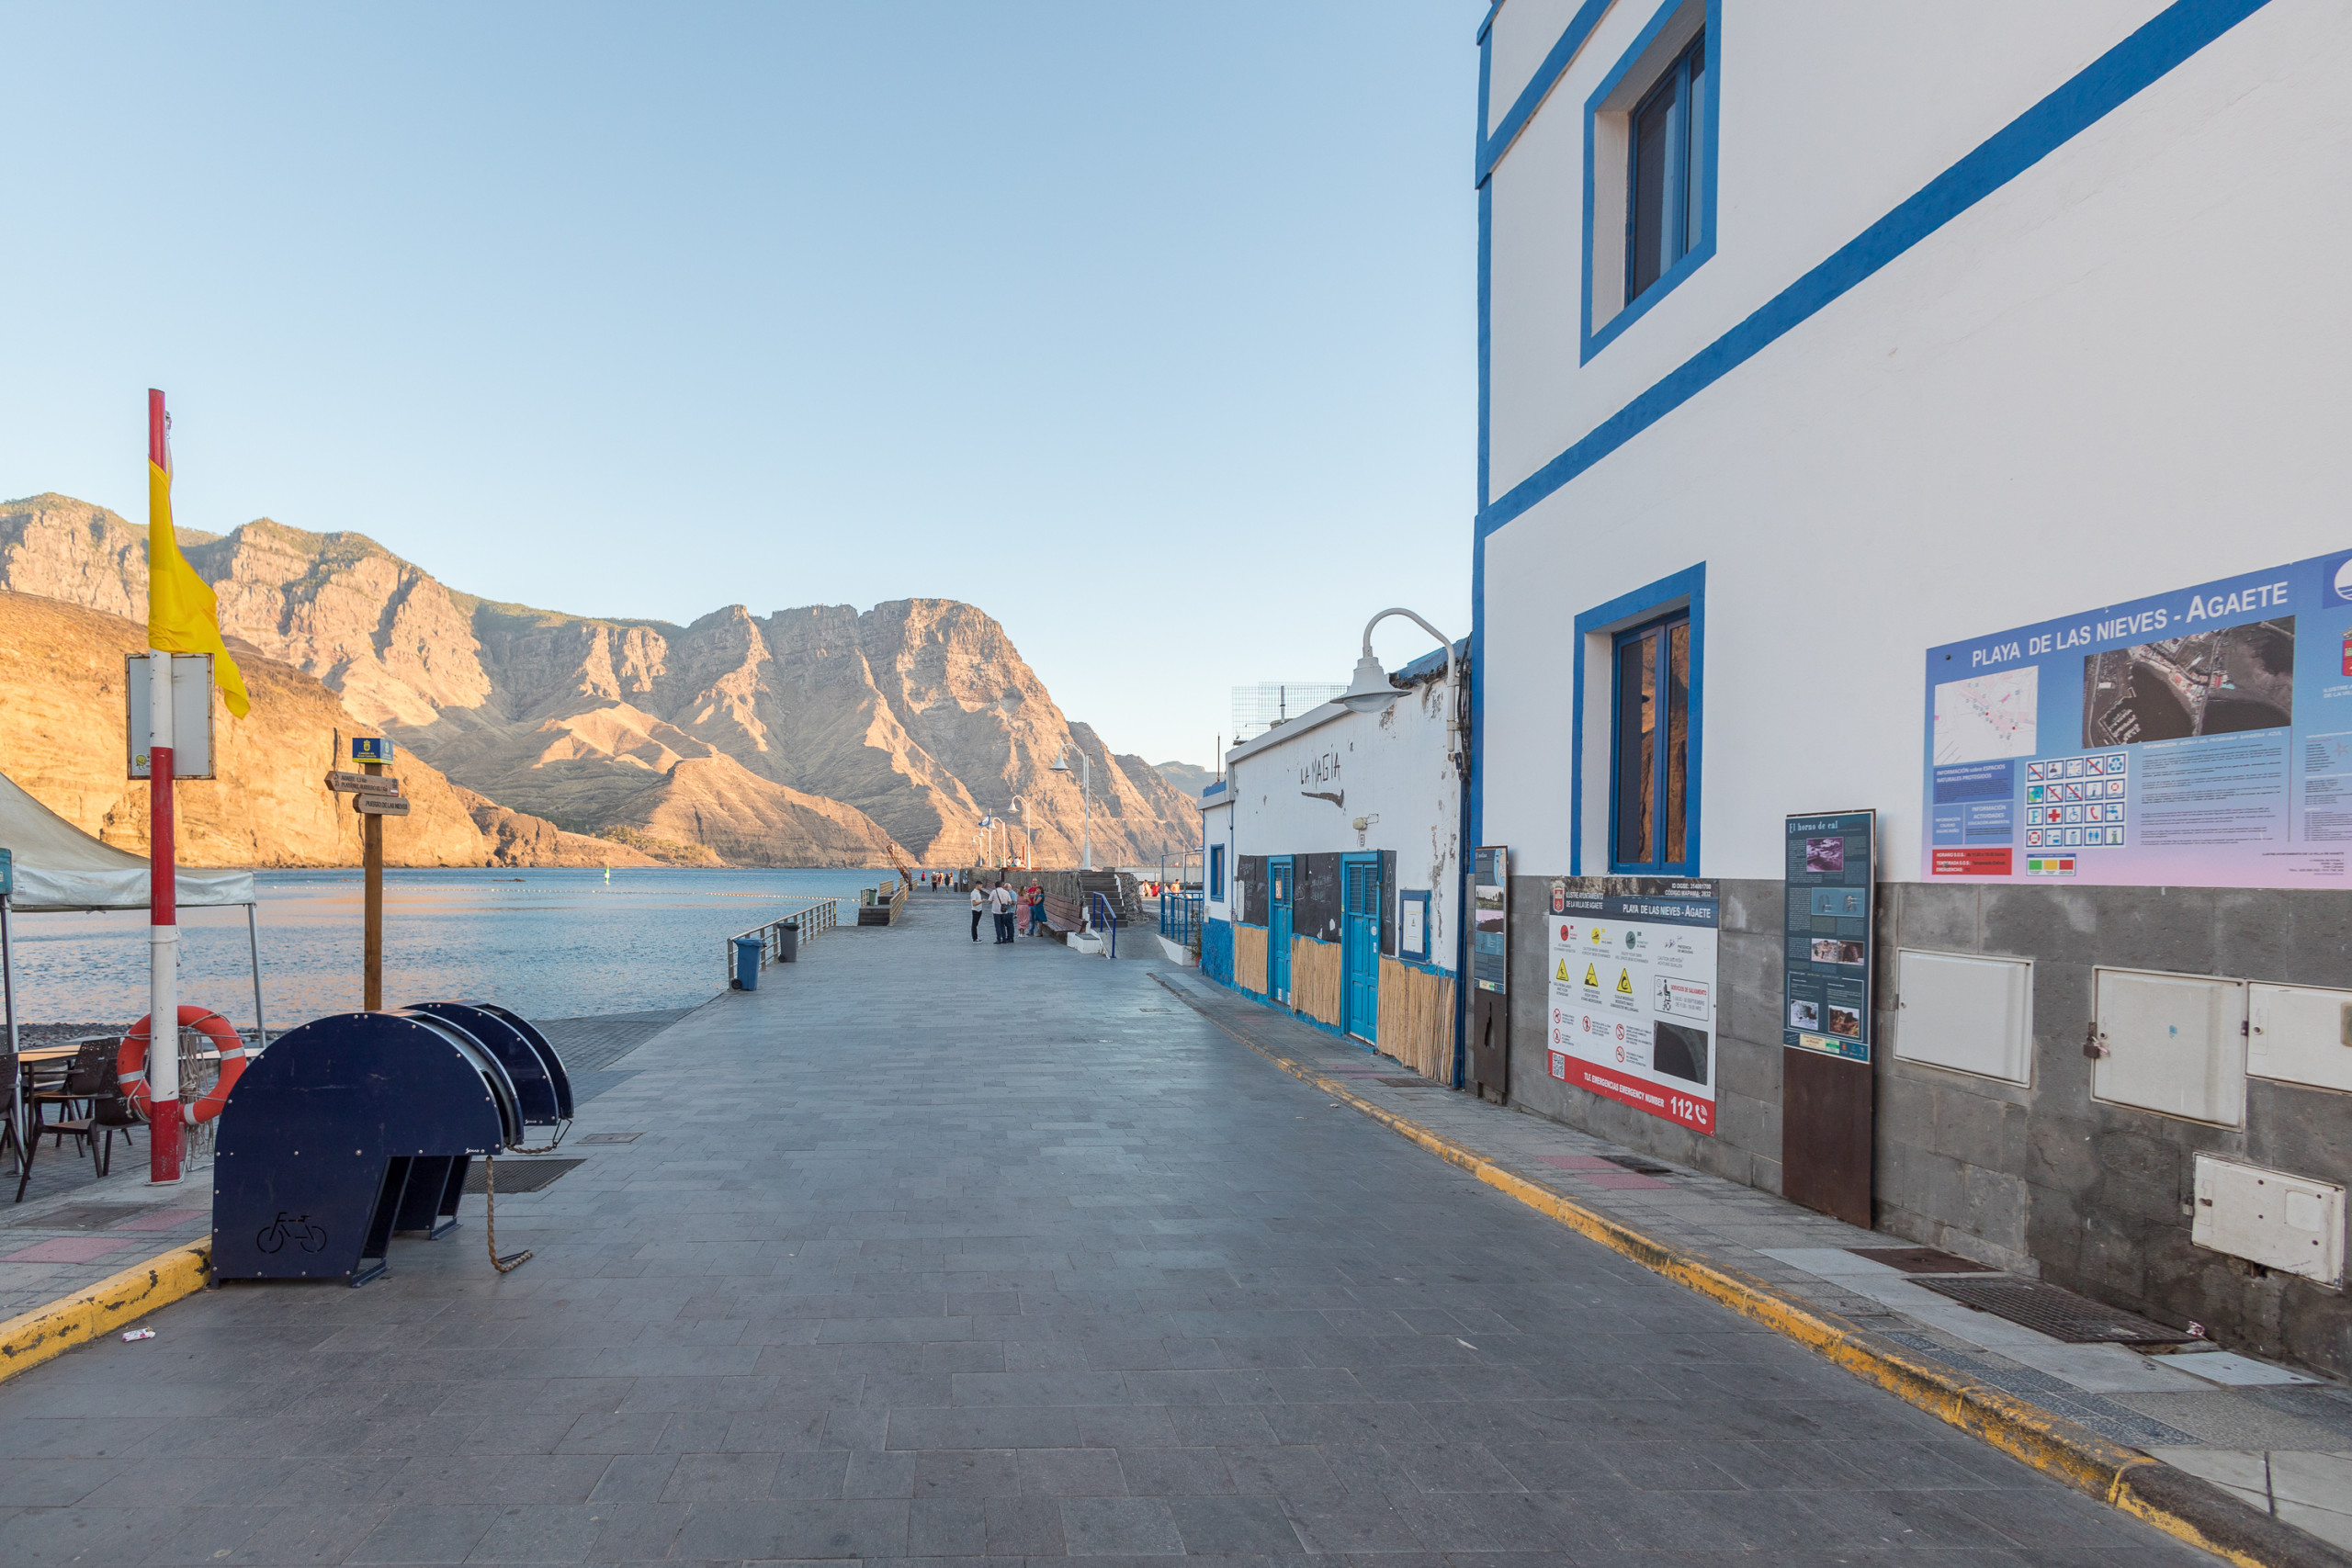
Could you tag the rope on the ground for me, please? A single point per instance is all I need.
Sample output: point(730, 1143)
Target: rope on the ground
point(506, 1265)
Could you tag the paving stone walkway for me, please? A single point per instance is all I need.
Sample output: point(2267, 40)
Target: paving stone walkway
point(75, 1227)
point(928, 1249)
point(2280, 1440)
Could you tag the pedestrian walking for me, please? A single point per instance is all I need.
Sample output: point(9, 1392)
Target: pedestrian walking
point(980, 902)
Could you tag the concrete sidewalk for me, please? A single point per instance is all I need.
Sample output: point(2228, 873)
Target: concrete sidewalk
point(2280, 1441)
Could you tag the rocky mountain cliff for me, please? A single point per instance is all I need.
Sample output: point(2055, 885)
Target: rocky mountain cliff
point(62, 739)
point(811, 735)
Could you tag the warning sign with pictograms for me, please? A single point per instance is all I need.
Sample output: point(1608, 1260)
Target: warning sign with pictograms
point(1645, 1036)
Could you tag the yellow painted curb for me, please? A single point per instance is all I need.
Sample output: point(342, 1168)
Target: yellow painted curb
point(29, 1338)
point(2121, 1476)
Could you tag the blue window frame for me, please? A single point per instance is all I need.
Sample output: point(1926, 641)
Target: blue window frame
point(1666, 170)
point(1659, 221)
point(1216, 872)
point(1650, 747)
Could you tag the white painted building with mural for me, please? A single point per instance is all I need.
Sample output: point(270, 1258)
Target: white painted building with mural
point(1911, 546)
point(1333, 849)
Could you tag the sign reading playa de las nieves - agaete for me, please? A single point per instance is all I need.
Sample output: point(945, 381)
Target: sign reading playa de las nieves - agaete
point(2195, 738)
point(1632, 971)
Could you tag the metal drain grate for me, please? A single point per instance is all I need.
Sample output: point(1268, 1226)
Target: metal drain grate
point(1639, 1166)
point(1405, 1083)
point(610, 1137)
point(519, 1174)
point(2046, 1308)
point(79, 1217)
point(1921, 1260)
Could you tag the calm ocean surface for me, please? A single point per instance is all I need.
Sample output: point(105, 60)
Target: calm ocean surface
point(547, 943)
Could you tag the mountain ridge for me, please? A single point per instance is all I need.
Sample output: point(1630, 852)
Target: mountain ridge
point(907, 723)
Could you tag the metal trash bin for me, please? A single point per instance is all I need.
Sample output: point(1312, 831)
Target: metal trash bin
point(788, 943)
point(746, 963)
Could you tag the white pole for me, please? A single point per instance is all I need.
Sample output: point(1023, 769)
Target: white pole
point(1086, 811)
point(163, 939)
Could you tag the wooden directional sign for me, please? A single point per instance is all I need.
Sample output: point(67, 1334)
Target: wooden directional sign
point(363, 784)
point(379, 805)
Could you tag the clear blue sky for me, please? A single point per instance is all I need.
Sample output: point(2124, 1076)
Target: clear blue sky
point(1149, 329)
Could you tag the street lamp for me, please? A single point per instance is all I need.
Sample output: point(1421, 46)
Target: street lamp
point(1086, 803)
point(1371, 692)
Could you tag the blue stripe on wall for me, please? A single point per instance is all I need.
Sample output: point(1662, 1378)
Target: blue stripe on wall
point(2172, 37)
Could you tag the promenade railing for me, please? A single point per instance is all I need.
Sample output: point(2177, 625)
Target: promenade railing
point(1179, 917)
point(816, 916)
point(1105, 922)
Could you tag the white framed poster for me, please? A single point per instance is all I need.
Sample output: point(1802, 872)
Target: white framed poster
point(1632, 981)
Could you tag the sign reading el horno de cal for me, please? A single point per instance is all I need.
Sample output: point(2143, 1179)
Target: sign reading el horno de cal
point(2195, 738)
point(1632, 971)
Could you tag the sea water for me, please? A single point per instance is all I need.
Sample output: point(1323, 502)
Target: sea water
point(554, 943)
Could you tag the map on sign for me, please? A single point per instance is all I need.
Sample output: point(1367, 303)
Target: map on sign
point(1988, 716)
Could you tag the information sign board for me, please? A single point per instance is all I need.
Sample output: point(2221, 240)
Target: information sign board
point(2200, 738)
point(1490, 918)
point(370, 749)
point(191, 716)
point(1632, 979)
point(1832, 860)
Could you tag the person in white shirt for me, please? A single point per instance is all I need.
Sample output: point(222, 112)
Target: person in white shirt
point(980, 902)
point(1000, 900)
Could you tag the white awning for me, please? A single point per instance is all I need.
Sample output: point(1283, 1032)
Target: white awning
point(58, 867)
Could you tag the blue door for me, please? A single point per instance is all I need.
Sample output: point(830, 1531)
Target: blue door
point(1278, 898)
point(1359, 946)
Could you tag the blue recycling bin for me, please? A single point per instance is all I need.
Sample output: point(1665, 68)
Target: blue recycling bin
point(746, 963)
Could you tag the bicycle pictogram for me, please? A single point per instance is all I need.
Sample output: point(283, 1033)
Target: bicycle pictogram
point(305, 1236)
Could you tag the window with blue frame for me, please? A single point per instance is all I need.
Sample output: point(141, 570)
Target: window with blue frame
point(1216, 872)
point(1649, 827)
point(1666, 172)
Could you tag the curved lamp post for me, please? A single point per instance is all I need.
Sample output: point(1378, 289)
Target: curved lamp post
point(1085, 802)
point(1370, 691)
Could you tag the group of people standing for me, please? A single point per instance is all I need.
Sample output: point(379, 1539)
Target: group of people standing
point(1006, 906)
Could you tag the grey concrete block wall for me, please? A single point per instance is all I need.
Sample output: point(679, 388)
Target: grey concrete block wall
point(2096, 1197)
point(2039, 1178)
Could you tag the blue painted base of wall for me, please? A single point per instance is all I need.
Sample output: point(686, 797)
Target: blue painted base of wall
point(1216, 950)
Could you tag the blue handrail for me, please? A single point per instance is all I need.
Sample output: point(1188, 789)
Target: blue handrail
point(1104, 918)
point(1180, 917)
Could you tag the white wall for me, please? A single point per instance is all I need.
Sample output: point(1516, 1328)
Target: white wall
point(1216, 830)
point(2120, 374)
point(1392, 764)
point(1833, 111)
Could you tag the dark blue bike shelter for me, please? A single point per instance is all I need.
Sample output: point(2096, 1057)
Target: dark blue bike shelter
point(358, 1127)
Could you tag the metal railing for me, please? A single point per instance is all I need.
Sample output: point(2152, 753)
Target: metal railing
point(1105, 922)
point(816, 916)
point(1179, 917)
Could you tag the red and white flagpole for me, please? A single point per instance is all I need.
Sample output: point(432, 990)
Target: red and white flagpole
point(162, 921)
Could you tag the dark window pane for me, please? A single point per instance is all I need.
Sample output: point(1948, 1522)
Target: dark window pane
point(1694, 142)
point(1636, 742)
point(1648, 228)
point(1678, 741)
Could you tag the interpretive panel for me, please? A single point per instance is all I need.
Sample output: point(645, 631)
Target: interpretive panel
point(1632, 968)
point(1491, 920)
point(2201, 737)
point(1826, 1004)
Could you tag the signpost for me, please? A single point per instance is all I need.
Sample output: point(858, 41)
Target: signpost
point(1490, 973)
point(1631, 984)
point(1830, 871)
point(375, 796)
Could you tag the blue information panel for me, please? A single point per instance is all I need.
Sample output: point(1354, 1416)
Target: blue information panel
point(1831, 874)
point(2201, 739)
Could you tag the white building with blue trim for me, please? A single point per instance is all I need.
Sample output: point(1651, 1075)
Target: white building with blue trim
point(1332, 856)
point(1819, 344)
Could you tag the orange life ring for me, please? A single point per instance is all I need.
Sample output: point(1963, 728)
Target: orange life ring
point(130, 1064)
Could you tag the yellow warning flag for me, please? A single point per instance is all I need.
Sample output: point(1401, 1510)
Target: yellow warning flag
point(182, 615)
